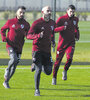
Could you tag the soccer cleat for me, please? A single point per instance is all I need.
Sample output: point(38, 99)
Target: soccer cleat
point(54, 81)
point(64, 75)
point(32, 67)
point(37, 92)
point(6, 85)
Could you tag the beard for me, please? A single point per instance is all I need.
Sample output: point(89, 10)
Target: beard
point(47, 17)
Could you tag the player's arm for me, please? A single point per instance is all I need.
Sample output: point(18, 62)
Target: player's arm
point(77, 33)
point(33, 34)
point(59, 25)
point(59, 29)
point(3, 31)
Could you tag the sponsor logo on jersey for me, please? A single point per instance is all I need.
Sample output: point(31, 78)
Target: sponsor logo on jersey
point(42, 28)
point(74, 22)
point(65, 23)
point(52, 27)
point(22, 26)
point(13, 26)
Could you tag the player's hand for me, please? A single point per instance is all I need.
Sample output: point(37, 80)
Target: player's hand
point(76, 39)
point(4, 39)
point(65, 27)
point(41, 34)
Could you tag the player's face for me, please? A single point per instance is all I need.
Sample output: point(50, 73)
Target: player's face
point(20, 13)
point(70, 12)
point(47, 14)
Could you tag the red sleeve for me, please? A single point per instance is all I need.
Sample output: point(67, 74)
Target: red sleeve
point(3, 31)
point(33, 36)
point(58, 29)
point(33, 28)
point(59, 22)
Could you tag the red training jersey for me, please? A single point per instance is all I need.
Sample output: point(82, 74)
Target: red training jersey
point(17, 30)
point(67, 37)
point(44, 43)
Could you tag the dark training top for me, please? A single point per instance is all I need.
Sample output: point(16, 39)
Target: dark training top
point(67, 37)
point(17, 30)
point(44, 43)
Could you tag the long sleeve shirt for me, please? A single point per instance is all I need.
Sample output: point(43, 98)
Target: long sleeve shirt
point(44, 43)
point(16, 31)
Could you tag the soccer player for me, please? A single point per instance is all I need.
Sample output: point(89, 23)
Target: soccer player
point(42, 34)
point(17, 29)
point(66, 43)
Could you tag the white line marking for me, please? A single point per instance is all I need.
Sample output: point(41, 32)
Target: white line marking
point(60, 68)
point(56, 41)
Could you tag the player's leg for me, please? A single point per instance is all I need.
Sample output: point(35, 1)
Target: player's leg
point(33, 66)
point(13, 68)
point(13, 61)
point(57, 63)
point(38, 68)
point(37, 79)
point(47, 63)
point(69, 55)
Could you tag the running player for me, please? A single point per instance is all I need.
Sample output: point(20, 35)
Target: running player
point(42, 33)
point(17, 29)
point(66, 43)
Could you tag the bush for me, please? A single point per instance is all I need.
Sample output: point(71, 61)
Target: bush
point(6, 15)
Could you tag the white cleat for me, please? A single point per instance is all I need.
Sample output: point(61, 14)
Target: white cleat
point(54, 81)
point(6, 85)
point(64, 75)
point(37, 93)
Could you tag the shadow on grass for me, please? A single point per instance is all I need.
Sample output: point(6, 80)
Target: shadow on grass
point(66, 89)
point(29, 62)
point(86, 95)
point(65, 96)
point(75, 85)
point(57, 95)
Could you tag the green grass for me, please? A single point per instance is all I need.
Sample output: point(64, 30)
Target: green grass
point(77, 87)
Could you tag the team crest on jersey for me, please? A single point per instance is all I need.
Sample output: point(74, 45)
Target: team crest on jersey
point(42, 28)
point(13, 26)
point(22, 26)
point(65, 23)
point(74, 22)
point(52, 27)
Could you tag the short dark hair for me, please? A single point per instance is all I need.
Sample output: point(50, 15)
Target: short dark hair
point(71, 7)
point(22, 7)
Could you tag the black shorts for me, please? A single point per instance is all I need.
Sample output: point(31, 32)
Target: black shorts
point(42, 57)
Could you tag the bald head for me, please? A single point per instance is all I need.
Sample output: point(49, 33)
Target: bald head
point(45, 8)
point(46, 11)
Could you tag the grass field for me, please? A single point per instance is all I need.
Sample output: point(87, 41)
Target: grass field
point(77, 87)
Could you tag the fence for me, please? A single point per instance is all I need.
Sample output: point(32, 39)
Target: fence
point(36, 5)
